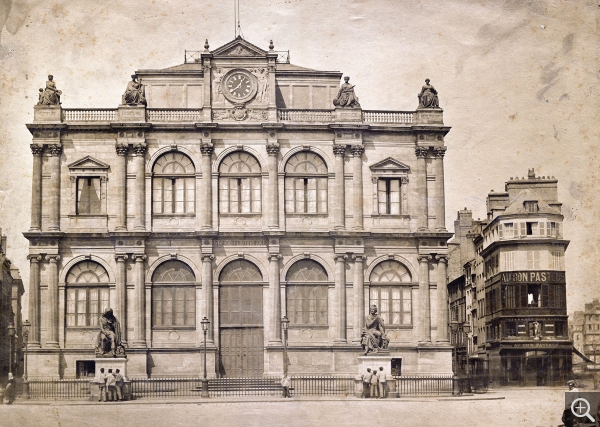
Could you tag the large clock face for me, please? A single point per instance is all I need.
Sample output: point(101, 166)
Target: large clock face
point(238, 86)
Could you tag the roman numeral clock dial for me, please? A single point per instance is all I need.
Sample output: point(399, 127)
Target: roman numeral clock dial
point(239, 87)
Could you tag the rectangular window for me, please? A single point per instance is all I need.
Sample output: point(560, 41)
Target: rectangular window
point(307, 305)
point(388, 196)
point(556, 260)
point(510, 329)
point(533, 260)
point(531, 206)
point(84, 305)
point(508, 260)
point(394, 303)
point(533, 229)
point(173, 195)
point(511, 297)
point(239, 195)
point(174, 306)
point(509, 230)
point(306, 195)
point(88, 196)
point(534, 296)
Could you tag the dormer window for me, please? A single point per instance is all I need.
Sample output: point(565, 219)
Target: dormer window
point(531, 206)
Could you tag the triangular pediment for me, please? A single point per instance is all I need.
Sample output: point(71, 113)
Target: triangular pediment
point(390, 165)
point(239, 47)
point(88, 162)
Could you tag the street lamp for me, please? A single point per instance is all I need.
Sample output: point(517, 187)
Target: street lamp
point(11, 335)
point(285, 324)
point(457, 329)
point(26, 326)
point(205, 324)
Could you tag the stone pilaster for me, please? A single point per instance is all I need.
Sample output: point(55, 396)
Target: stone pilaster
point(273, 196)
point(442, 291)
point(440, 214)
point(140, 186)
point(275, 312)
point(139, 336)
point(357, 199)
point(338, 196)
point(207, 286)
point(359, 297)
point(340, 299)
point(36, 188)
point(422, 221)
point(51, 322)
point(121, 184)
point(54, 190)
point(34, 301)
point(424, 301)
point(121, 291)
point(206, 219)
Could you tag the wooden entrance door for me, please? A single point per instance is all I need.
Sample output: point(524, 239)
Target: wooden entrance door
point(241, 321)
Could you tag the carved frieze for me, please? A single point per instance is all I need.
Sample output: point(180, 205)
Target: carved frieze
point(240, 113)
point(262, 77)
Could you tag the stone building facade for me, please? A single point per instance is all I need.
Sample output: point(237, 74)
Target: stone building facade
point(240, 194)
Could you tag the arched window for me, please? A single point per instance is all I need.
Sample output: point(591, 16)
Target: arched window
point(239, 184)
point(305, 183)
point(87, 293)
point(391, 291)
point(173, 185)
point(240, 271)
point(240, 294)
point(173, 295)
point(306, 293)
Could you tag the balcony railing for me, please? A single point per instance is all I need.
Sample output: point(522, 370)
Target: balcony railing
point(395, 117)
point(89, 114)
point(311, 116)
point(174, 115)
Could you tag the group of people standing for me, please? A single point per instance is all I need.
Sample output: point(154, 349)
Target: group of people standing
point(111, 385)
point(374, 384)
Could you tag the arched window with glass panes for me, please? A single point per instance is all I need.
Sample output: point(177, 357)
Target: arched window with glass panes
point(391, 290)
point(305, 184)
point(173, 185)
point(239, 184)
point(306, 293)
point(87, 286)
point(173, 295)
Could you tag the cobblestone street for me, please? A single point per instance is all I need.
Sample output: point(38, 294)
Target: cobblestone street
point(506, 407)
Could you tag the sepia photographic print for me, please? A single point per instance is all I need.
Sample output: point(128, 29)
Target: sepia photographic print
point(299, 213)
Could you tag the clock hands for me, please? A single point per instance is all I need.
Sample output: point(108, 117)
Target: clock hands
point(239, 84)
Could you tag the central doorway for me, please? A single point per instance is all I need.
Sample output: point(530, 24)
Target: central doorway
point(241, 321)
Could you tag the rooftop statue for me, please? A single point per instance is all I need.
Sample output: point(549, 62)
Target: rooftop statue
point(373, 336)
point(50, 95)
point(428, 97)
point(346, 98)
point(108, 341)
point(135, 94)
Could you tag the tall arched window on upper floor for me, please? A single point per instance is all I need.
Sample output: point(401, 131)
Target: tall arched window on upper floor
point(173, 295)
point(306, 293)
point(87, 293)
point(239, 184)
point(173, 185)
point(305, 183)
point(390, 290)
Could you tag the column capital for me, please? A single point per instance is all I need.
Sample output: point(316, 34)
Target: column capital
point(340, 257)
point(140, 149)
point(121, 257)
point(358, 258)
point(275, 257)
point(138, 257)
point(53, 258)
point(424, 258)
point(339, 150)
point(439, 152)
point(121, 149)
point(36, 149)
point(421, 151)
point(55, 150)
point(207, 149)
point(357, 150)
point(272, 149)
point(442, 258)
point(208, 257)
point(34, 258)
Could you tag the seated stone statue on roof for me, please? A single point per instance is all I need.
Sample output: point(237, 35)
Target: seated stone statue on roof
point(50, 95)
point(135, 94)
point(346, 98)
point(428, 98)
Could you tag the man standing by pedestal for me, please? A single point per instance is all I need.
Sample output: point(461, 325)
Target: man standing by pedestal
point(101, 379)
point(111, 385)
point(366, 383)
point(374, 384)
point(119, 384)
point(382, 383)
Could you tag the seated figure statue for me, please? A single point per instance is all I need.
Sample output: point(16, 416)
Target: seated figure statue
point(346, 98)
point(108, 341)
point(373, 337)
point(135, 93)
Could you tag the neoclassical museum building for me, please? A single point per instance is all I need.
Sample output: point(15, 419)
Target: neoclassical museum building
point(232, 187)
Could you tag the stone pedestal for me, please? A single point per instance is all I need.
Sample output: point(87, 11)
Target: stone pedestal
point(113, 363)
point(427, 116)
point(348, 115)
point(374, 361)
point(47, 113)
point(126, 113)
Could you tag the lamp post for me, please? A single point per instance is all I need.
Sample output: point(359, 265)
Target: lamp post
point(205, 324)
point(26, 326)
point(11, 335)
point(458, 328)
point(285, 324)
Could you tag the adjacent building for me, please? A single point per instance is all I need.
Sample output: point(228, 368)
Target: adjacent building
point(519, 316)
point(240, 194)
point(584, 330)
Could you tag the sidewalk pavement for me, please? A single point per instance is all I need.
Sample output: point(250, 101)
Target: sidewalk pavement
point(261, 399)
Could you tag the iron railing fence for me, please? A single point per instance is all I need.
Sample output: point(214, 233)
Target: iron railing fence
point(424, 385)
point(59, 389)
point(323, 385)
point(165, 387)
point(265, 386)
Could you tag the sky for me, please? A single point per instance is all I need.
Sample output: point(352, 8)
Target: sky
point(518, 81)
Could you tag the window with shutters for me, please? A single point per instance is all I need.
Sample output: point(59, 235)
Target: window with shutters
point(88, 178)
point(87, 289)
point(306, 293)
point(388, 196)
point(88, 195)
point(305, 184)
point(173, 295)
point(240, 184)
point(173, 185)
point(508, 230)
point(390, 289)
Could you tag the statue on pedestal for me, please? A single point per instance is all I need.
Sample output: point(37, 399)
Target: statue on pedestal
point(50, 95)
point(428, 97)
point(135, 94)
point(346, 98)
point(108, 341)
point(373, 336)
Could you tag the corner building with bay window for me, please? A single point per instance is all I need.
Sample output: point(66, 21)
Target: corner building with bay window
point(241, 194)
